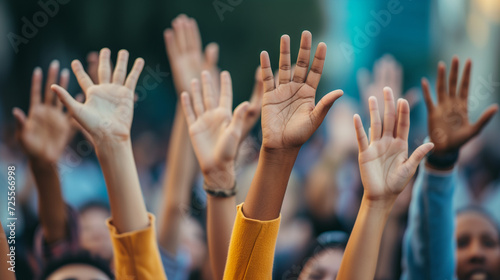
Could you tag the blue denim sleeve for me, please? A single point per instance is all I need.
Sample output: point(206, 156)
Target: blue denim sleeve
point(429, 243)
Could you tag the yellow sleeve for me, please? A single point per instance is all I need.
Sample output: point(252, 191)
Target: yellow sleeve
point(251, 251)
point(136, 254)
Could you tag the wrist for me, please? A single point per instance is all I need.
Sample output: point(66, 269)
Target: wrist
point(284, 156)
point(220, 179)
point(380, 204)
point(438, 160)
point(107, 149)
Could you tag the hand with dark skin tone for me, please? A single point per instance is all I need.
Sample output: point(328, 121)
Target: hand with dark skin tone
point(448, 119)
point(43, 135)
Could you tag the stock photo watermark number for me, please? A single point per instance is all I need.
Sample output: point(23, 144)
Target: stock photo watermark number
point(12, 219)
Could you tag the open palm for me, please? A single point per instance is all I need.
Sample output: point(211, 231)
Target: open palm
point(448, 120)
point(184, 50)
point(384, 164)
point(44, 133)
point(215, 132)
point(108, 109)
point(289, 113)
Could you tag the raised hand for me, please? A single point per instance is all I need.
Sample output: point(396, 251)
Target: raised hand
point(44, 133)
point(386, 72)
point(384, 164)
point(289, 113)
point(108, 109)
point(184, 50)
point(215, 132)
point(448, 120)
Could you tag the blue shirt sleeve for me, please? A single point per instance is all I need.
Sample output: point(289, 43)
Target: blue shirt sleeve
point(429, 243)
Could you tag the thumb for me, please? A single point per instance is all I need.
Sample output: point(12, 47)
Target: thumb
point(323, 106)
point(20, 117)
point(417, 156)
point(212, 54)
point(71, 104)
point(236, 125)
point(484, 119)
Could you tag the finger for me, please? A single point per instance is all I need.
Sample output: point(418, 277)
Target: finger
point(452, 84)
point(73, 106)
point(323, 106)
point(63, 82)
point(208, 91)
point(193, 36)
point(266, 72)
point(83, 79)
point(285, 63)
point(199, 108)
point(226, 97)
point(375, 121)
point(441, 84)
point(212, 54)
point(188, 108)
point(417, 156)
point(121, 67)
point(104, 69)
point(258, 90)
point(427, 95)
point(51, 79)
point(20, 117)
point(92, 65)
point(303, 57)
point(484, 119)
point(389, 112)
point(36, 87)
point(170, 44)
point(464, 84)
point(134, 74)
point(180, 27)
point(314, 74)
point(403, 128)
point(360, 133)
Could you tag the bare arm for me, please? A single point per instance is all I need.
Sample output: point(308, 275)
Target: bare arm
point(43, 135)
point(107, 116)
point(385, 170)
point(4, 258)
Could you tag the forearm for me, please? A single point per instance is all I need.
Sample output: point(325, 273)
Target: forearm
point(128, 210)
point(428, 243)
point(221, 213)
point(265, 197)
point(389, 250)
point(4, 258)
point(180, 173)
point(363, 246)
point(51, 206)
point(321, 188)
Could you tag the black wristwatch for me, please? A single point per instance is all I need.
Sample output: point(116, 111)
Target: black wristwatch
point(220, 192)
point(443, 160)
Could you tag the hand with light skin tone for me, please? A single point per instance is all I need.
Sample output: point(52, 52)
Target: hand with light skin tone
point(448, 120)
point(385, 171)
point(43, 135)
point(386, 72)
point(216, 134)
point(107, 116)
point(184, 50)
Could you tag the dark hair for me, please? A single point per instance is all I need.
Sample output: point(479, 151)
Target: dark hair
point(80, 257)
point(325, 241)
point(481, 211)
